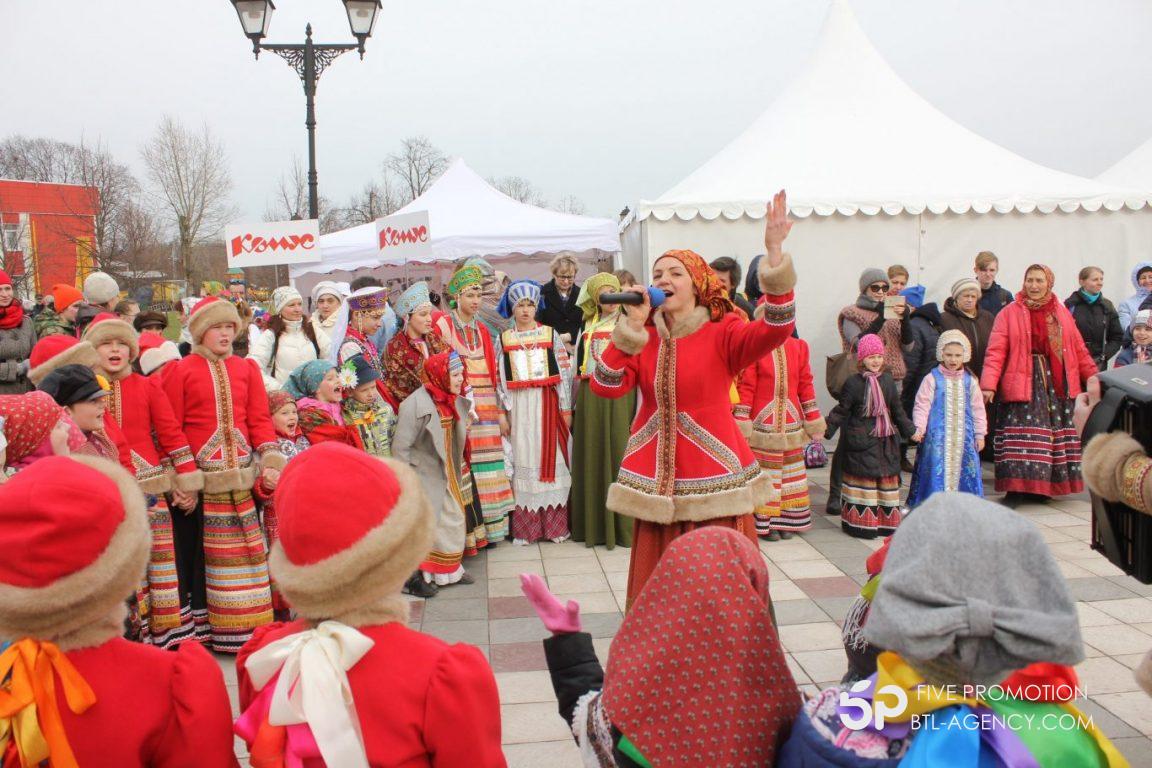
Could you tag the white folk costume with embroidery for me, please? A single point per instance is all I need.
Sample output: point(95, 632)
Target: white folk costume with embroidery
point(535, 389)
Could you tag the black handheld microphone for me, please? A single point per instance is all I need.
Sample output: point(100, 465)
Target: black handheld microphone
point(655, 295)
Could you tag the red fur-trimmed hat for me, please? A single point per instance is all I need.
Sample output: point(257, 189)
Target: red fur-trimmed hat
point(107, 327)
point(155, 351)
point(57, 350)
point(208, 312)
point(337, 566)
point(76, 530)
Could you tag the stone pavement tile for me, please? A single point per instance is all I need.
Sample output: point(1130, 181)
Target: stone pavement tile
point(602, 624)
point(1091, 616)
point(822, 665)
point(843, 549)
point(836, 607)
point(1130, 660)
point(782, 589)
point(820, 537)
point(818, 636)
point(455, 610)
point(509, 608)
point(615, 564)
point(1072, 570)
point(569, 566)
point(1134, 610)
point(774, 571)
point(1056, 519)
point(798, 673)
point(594, 602)
point(790, 551)
point(1071, 550)
point(1133, 586)
point(524, 687)
point(1105, 675)
point(474, 631)
point(517, 630)
point(1057, 536)
point(553, 754)
point(506, 551)
point(872, 544)
point(1094, 588)
point(584, 582)
point(617, 580)
point(533, 722)
point(810, 569)
point(1116, 639)
point(853, 566)
point(1091, 652)
point(830, 586)
point(1144, 626)
point(602, 645)
point(1138, 750)
point(1098, 565)
point(798, 612)
point(512, 569)
point(1112, 726)
point(517, 657)
point(621, 597)
point(504, 587)
point(415, 610)
point(477, 591)
point(1131, 707)
point(550, 551)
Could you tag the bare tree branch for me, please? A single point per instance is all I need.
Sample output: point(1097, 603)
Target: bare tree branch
point(519, 189)
point(416, 165)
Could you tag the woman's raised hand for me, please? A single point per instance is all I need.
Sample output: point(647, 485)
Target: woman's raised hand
point(777, 225)
point(637, 314)
point(557, 617)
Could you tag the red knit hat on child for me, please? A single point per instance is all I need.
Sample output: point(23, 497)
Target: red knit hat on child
point(344, 566)
point(869, 344)
point(57, 350)
point(155, 351)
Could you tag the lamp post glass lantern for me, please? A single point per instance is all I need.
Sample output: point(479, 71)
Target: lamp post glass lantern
point(308, 59)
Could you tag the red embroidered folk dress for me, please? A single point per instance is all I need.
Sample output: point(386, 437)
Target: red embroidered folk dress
point(686, 463)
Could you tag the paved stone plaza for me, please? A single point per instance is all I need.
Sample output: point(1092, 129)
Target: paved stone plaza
point(815, 577)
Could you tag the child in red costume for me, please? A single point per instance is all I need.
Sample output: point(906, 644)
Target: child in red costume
point(81, 528)
point(407, 698)
point(221, 404)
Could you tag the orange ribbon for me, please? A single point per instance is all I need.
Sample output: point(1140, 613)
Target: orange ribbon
point(29, 716)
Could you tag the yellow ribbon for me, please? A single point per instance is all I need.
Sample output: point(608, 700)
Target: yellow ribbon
point(28, 710)
point(892, 670)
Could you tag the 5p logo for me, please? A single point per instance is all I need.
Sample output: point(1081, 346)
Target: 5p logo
point(859, 712)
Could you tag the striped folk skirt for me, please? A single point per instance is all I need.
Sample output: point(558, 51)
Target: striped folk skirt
point(870, 506)
point(280, 608)
point(443, 564)
point(492, 488)
point(168, 616)
point(237, 594)
point(1036, 445)
point(792, 509)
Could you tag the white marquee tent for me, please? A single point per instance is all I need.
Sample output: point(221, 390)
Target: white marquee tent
point(875, 176)
point(1134, 170)
point(467, 217)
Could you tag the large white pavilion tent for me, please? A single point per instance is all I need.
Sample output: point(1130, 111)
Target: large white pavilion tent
point(1133, 170)
point(877, 176)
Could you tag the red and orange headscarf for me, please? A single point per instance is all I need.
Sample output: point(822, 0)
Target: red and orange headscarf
point(710, 292)
point(437, 377)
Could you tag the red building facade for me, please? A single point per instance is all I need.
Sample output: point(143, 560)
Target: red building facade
point(48, 233)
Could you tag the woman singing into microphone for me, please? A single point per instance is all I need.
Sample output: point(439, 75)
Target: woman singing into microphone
point(686, 464)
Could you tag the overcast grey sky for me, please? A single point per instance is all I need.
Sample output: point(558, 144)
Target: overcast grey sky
point(607, 101)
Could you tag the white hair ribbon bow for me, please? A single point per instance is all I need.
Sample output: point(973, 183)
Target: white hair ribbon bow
point(313, 687)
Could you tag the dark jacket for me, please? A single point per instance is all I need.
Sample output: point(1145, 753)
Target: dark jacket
point(924, 325)
point(978, 330)
point(743, 303)
point(560, 315)
point(863, 454)
point(1099, 324)
point(15, 348)
point(995, 298)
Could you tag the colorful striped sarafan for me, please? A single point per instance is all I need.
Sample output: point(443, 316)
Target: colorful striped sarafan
point(236, 570)
point(493, 489)
point(169, 622)
point(791, 509)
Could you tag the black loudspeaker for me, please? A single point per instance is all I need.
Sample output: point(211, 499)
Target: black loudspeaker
point(1123, 534)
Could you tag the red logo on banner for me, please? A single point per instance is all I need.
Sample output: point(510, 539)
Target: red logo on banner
point(393, 237)
point(287, 244)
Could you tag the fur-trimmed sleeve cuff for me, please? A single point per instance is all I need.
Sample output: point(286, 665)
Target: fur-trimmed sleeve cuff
point(816, 427)
point(628, 340)
point(1116, 468)
point(776, 281)
point(272, 459)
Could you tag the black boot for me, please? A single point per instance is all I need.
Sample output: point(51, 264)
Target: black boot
point(417, 587)
point(785, 535)
point(1012, 499)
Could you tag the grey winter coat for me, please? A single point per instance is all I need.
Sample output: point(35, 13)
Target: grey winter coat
point(419, 441)
point(15, 348)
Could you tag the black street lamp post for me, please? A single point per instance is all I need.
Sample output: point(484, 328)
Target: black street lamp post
point(309, 60)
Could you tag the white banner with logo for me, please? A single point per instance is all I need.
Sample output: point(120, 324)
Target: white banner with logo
point(404, 237)
point(273, 242)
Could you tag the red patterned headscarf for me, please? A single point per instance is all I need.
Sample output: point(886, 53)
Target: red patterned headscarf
point(699, 648)
point(28, 421)
point(710, 292)
point(437, 375)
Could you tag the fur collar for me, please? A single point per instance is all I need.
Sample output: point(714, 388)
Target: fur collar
point(685, 326)
point(207, 354)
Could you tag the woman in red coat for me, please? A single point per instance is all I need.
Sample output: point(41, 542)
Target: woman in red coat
point(80, 527)
point(778, 413)
point(687, 464)
point(1035, 367)
point(349, 685)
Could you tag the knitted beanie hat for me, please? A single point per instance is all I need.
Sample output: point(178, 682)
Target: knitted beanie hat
point(964, 284)
point(81, 527)
point(971, 592)
point(282, 295)
point(868, 345)
point(870, 276)
point(208, 312)
point(953, 337)
point(1143, 317)
point(52, 352)
point(100, 288)
point(341, 566)
point(64, 296)
point(108, 327)
point(155, 352)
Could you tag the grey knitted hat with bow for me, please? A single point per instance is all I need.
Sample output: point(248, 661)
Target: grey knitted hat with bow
point(970, 592)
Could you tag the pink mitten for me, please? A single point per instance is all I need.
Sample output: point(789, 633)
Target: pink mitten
point(558, 618)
